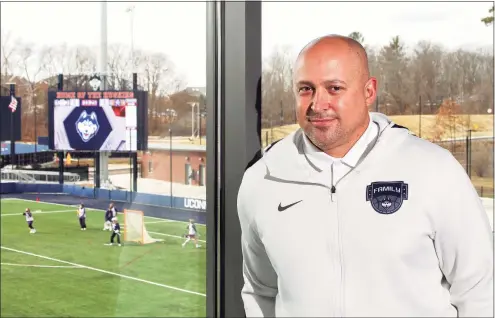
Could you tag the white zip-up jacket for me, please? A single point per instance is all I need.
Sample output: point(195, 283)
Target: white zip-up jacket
point(403, 234)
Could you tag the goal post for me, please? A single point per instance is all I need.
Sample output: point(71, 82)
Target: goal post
point(134, 228)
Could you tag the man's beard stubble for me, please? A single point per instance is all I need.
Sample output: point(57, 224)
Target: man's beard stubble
point(324, 138)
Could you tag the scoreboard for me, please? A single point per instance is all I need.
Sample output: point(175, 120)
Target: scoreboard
point(98, 121)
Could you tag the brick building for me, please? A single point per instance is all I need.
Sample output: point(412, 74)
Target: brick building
point(188, 163)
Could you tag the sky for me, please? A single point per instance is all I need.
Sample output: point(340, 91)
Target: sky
point(178, 29)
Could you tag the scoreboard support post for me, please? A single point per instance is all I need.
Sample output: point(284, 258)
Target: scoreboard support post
point(103, 166)
point(60, 155)
point(13, 159)
point(134, 171)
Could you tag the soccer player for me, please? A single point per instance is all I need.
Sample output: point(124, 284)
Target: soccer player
point(81, 212)
point(116, 231)
point(29, 220)
point(192, 233)
point(403, 232)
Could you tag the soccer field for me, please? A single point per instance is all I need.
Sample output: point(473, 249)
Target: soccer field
point(65, 272)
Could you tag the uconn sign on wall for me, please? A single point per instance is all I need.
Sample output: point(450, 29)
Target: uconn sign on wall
point(196, 204)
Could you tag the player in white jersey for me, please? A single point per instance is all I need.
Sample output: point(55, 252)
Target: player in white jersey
point(29, 220)
point(192, 233)
point(81, 213)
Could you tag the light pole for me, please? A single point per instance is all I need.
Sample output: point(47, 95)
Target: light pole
point(170, 117)
point(201, 115)
point(193, 104)
point(130, 10)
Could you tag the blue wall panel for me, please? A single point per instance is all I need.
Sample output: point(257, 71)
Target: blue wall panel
point(153, 205)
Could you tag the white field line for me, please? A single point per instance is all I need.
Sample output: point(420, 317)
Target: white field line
point(65, 205)
point(104, 271)
point(163, 221)
point(41, 266)
point(176, 236)
point(41, 212)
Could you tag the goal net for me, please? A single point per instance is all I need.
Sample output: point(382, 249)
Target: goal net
point(134, 229)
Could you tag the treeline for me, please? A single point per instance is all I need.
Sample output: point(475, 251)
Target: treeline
point(410, 79)
point(35, 69)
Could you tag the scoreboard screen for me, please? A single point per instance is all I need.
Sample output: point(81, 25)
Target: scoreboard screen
point(99, 120)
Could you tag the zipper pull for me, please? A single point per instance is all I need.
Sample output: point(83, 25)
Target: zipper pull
point(332, 190)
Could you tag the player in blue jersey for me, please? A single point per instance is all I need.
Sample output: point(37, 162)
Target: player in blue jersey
point(109, 215)
point(29, 220)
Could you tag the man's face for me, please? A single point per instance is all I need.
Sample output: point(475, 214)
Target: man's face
point(332, 95)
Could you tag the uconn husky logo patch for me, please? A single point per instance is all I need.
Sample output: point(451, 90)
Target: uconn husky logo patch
point(87, 126)
point(387, 197)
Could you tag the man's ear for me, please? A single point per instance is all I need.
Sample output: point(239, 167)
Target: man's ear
point(370, 91)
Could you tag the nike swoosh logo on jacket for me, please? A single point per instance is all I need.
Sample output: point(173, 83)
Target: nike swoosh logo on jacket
point(348, 254)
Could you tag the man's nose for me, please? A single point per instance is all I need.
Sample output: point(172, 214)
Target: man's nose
point(321, 100)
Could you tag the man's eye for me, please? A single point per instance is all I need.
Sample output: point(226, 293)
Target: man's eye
point(304, 89)
point(336, 88)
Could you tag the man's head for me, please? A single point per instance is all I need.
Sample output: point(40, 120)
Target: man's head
point(333, 91)
point(114, 220)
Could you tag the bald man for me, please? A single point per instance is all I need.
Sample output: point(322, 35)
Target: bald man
point(353, 216)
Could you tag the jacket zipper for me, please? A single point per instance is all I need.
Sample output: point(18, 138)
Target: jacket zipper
point(333, 191)
point(338, 310)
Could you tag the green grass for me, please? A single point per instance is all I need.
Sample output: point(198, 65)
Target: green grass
point(91, 292)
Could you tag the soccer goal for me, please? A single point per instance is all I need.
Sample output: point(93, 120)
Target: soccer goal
point(134, 228)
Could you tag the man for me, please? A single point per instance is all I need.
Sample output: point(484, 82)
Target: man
point(30, 220)
point(192, 233)
point(401, 231)
point(115, 231)
point(82, 216)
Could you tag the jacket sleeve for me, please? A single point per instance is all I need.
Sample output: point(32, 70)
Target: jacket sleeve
point(260, 279)
point(464, 243)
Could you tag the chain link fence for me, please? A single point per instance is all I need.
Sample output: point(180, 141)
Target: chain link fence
point(476, 157)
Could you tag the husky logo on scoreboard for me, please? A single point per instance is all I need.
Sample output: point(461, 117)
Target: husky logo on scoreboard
point(95, 82)
point(87, 125)
point(87, 128)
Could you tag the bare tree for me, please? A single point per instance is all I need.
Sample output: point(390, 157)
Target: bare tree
point(8, 52)
point(394, 64)
point(277, 91)
point(119, 65)
point(426, 68)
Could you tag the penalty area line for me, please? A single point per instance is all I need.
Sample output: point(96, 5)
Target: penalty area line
point(104, 271)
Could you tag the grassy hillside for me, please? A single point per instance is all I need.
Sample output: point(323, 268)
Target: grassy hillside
point(482, 124)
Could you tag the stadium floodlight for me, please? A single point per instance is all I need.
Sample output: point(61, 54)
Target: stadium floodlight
point(134, 228)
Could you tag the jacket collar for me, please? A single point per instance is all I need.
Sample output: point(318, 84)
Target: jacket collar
point(323, 161)
point(288, 160)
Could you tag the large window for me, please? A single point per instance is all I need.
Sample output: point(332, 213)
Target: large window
point(160, 268)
